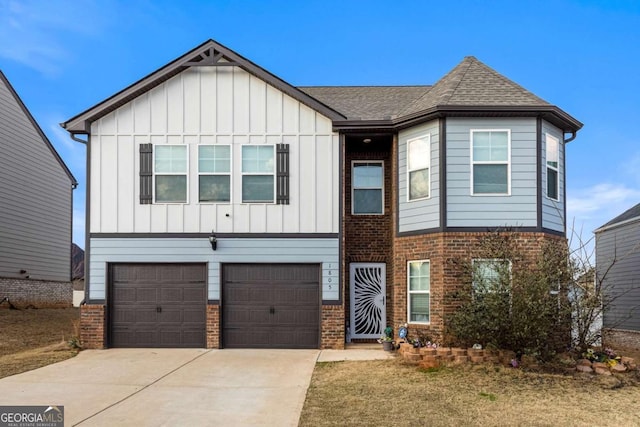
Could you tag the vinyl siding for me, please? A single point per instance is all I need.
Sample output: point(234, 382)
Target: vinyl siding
point(517, 209)
point(214, 105)
point(553, 210)
point(419, 214)
point(259, 250)
point(35, 200)
point(622, 281)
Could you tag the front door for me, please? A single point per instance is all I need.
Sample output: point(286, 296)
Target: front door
point(368, 298)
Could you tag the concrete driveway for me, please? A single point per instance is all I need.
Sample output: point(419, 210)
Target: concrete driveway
point(170, 387)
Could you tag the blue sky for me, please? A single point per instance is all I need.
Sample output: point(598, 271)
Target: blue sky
point(63, 56)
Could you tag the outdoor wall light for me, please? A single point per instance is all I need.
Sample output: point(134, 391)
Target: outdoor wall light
point(213, 241)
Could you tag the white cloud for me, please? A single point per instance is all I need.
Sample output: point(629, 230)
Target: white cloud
point(589, 208)
point(33, 32)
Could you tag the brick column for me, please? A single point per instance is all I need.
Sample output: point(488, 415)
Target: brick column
point(213, 326)
point(92, 326)
point(332, 327)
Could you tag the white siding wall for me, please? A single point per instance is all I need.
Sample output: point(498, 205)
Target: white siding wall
point(518, 209)
point(553, 210)
point(419, 214)
point(214, 105)
point(260, 250)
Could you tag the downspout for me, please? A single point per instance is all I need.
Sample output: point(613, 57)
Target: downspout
point(573, 136)
point(75, 138)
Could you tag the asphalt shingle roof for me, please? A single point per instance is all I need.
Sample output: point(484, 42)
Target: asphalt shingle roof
point(632, 213)
point(470, 83)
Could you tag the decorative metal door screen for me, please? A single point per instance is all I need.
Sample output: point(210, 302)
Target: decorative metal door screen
point(368, 295)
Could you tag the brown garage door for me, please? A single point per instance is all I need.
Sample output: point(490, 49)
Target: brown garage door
point(271, 305)
point(158, 305)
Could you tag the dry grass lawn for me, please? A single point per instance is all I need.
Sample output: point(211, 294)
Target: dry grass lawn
point(385, 393)
point(33, 338)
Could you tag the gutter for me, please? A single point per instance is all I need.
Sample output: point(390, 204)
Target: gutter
point(571, 138)
point(616, 225)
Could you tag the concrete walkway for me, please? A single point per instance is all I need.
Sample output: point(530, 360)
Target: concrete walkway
point(168, 387)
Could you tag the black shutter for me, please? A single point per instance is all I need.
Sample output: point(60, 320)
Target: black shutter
point(146, 174)
point(282, 174)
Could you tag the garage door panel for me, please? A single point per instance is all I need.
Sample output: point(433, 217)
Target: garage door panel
point(158, 305)
point(271, 305)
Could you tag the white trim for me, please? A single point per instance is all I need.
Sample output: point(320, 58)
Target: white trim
point(381, 163)
point(155, 174)
point(410, 292)
point(617, 224)
point(273, 174)
point(230, 173)
point(472, 162)
point(426, 137)
point(557, 169)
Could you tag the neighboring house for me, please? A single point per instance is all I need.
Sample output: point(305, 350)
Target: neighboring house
point(618, 270)
point(35, 210)
point(228, 208)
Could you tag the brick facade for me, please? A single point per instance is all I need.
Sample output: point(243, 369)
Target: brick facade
point(333, 324)
point(369, 238)
point(37, 293)
point(213, 326)
point(442, 249)
point(92, 326)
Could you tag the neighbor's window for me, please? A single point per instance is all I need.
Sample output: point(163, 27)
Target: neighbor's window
point(170, 171)
point(419, 290)
point(367, 182)
point(490, 275)
point(553, 157)
point(258, 173)
point(490, 161)
point(214, 173)
point(418, 156)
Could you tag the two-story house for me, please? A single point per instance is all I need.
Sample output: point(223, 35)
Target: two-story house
point(228, 208)
point(36, 195)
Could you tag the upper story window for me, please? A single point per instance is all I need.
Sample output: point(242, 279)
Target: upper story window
point(367, 188)
point(170, 168)
point(490, 161)
point(258, 173)
point(553, 157)
point(214, 173)
point(418, 159)
point(419, 291)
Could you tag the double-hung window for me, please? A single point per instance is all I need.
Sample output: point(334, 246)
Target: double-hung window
point(170, 168)
point(553, 157)
point(419, 290)
point(491, 276)
point(490, 161)
point(258, 173)
point(214, 173)
point(418, 156)
point(367, 188)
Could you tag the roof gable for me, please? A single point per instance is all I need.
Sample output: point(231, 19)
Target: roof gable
point(210, 53)
point(27, 114)
point(626, 216)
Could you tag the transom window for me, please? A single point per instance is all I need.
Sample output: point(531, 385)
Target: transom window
point(553, 157)
point(418, 159)
point(214, 173)
point(367, 188)
point(258, 174)
point(490, 161)
point(419, 290)
point(170, 168)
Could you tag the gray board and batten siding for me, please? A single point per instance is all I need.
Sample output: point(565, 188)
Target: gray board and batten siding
point(322, 251)
point(622, 280)
point(424, 213)
point(518, 209)
point(36, 194)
